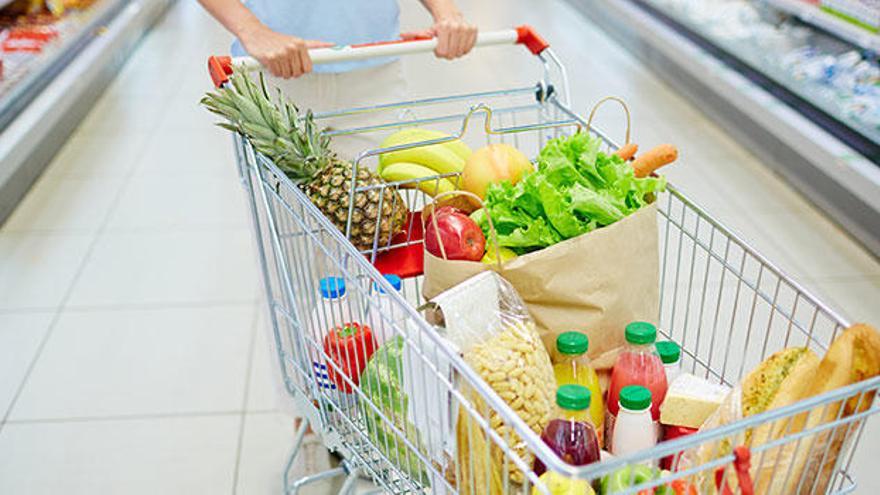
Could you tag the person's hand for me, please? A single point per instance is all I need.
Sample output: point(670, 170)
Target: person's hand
point(455, 36)
point(283, 55)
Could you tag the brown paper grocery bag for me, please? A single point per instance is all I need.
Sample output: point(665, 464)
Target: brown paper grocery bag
point(596, 283)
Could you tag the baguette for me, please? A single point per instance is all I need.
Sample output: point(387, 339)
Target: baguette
point(778, 381)
point(853, 356)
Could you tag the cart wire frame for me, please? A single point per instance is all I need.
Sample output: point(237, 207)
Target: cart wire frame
point(726, 304)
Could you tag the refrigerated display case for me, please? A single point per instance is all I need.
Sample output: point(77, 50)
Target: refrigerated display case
point(796, 80)
point(814, 60)
point(56, 56)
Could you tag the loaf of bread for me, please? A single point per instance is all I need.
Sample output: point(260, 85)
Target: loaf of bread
point(853, 356)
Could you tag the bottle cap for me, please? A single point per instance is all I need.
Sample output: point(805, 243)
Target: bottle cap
point(640, 332)
point(635, 398)
point(573, 397)
point(572, 343)
point(392, 279)
point(669, 351)
point(332, 287)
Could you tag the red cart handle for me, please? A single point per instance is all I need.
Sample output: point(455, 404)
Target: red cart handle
point(742, 458)
point(220, 67)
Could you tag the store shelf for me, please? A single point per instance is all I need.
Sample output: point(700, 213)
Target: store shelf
point(790, 139)
point(814, 15)
point(48, 104)
point(786, 60)
point(25, 75)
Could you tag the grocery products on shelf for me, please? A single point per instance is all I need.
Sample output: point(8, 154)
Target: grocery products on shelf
point(570, 433)
point(573, 367)
point(33, 33)
point(840, 79)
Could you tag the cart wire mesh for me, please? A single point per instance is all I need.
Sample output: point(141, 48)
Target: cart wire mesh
point(728, 306)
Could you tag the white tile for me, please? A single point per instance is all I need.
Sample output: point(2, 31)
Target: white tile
point(86, 156)
point(137, 456)
point(169, 267)
point(856, 299)
point(162, 361)
point(208, 153)
point(66, 205)
point(265, 392)
point(819, 248)
point(180, 203)
point(36, 270)
point(20, 337)
point(117, 114)
point(266, 445)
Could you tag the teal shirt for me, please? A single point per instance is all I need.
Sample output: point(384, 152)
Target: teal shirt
point(343, 22)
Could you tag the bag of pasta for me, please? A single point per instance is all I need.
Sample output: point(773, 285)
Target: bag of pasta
point(489, 324)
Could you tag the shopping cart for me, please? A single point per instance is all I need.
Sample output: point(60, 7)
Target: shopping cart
point(728, 306)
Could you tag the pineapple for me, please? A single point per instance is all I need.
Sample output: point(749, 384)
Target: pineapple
point(303, 153)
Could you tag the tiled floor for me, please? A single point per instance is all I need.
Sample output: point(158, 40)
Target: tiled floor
point(132, 354)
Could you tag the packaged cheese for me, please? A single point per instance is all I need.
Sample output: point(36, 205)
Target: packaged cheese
point(690, 400)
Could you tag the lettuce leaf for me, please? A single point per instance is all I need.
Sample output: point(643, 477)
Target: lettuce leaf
point(575, 189)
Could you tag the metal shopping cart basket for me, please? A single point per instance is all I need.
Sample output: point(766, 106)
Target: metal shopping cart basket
point(728, 306)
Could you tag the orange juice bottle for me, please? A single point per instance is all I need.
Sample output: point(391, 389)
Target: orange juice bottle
point(575, 369)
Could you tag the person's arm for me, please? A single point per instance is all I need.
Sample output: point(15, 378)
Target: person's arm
point(284, 56)
point(455, 37)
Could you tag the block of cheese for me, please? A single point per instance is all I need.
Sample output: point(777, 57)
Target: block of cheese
point(690, 400)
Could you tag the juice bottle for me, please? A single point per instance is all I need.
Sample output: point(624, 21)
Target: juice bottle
point(575, 369)
point(636, 365)
point(634, 429)
point(570, 433)
point(670, 354)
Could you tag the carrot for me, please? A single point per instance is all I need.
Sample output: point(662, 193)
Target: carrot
point(627, 151)
point(646, 163)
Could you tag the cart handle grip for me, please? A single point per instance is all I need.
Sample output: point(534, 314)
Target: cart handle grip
point(221, 67)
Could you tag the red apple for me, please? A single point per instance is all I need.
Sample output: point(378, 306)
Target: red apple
point(462, 238)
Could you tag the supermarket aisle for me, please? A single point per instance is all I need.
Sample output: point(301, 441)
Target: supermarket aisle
point(132, 353)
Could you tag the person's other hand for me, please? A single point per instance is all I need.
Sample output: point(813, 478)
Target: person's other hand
point(283, 55)
point(455, 36)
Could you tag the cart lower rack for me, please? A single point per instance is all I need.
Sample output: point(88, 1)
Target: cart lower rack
point(728, 306)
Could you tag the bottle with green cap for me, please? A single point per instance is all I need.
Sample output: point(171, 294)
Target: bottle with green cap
point(638, 364)
point(574, 367)
point(634, 429)
point(571, 433)
point(670, 354)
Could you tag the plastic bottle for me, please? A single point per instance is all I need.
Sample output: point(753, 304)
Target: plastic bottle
point(574, 368)
point(571, 433)
point(330, 312)
point(636, 365)
point(382, 328)
point(634, 428)
point(670, 354)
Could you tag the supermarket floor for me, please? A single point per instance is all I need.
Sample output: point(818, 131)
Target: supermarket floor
point(132, 350)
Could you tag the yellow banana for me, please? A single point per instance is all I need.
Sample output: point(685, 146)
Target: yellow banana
point(417, 176)
point(442, 158)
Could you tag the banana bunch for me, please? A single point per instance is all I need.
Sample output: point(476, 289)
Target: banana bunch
point(420, 167)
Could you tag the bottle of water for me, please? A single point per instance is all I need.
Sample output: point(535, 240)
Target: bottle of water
point(331, 311)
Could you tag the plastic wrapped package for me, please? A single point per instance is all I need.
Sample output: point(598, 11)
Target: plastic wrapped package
point(490, 325)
